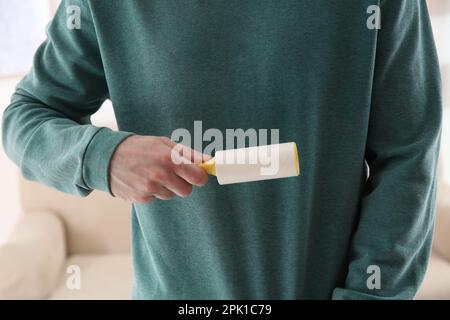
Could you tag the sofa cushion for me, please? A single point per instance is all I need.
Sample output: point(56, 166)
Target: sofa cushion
point(102, 277)
point(32, 257)
point(98, 224)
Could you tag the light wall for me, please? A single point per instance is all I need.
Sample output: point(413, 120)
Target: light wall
point(9, 173)
point(9, 204)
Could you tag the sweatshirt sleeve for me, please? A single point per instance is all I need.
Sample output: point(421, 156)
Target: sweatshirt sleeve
point(46, 129)
point(395, 228)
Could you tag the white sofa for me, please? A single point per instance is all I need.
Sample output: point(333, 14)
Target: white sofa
point(57, 231)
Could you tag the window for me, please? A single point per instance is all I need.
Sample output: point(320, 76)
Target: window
point(22, 30)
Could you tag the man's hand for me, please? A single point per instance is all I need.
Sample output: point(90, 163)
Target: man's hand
point(143, 168)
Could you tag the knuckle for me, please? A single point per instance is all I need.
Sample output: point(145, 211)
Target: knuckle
point(158, 175)
point(167, 158)
point(164, 139)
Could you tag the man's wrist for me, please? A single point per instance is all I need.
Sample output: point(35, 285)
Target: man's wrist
point(98, 156)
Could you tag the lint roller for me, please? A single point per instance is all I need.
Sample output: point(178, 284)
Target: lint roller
point(267, 162)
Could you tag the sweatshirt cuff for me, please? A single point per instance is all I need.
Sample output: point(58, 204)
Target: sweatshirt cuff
point(98, 156)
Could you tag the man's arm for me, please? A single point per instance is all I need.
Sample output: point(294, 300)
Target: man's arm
point(47, 129)
point(397, 210)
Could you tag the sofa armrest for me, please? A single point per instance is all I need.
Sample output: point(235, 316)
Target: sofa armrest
point(33, 257)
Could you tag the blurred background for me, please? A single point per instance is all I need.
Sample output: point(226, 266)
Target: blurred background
point(22, 29)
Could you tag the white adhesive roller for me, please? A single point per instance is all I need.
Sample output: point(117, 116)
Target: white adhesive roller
point(254, 164)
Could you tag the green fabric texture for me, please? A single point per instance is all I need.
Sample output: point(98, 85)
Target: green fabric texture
point(346, 94)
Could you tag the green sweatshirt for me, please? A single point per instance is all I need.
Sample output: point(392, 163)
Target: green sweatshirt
point(355, 99)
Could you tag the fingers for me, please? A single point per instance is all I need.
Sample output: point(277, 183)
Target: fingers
point(177, 174)
point(185, 162)
point(192, 155)
point(164, 194)
point(157, 192)
point(143, 169)
point(178, 186)
point(142, 199)
point(168, 142)
point(192, 173)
